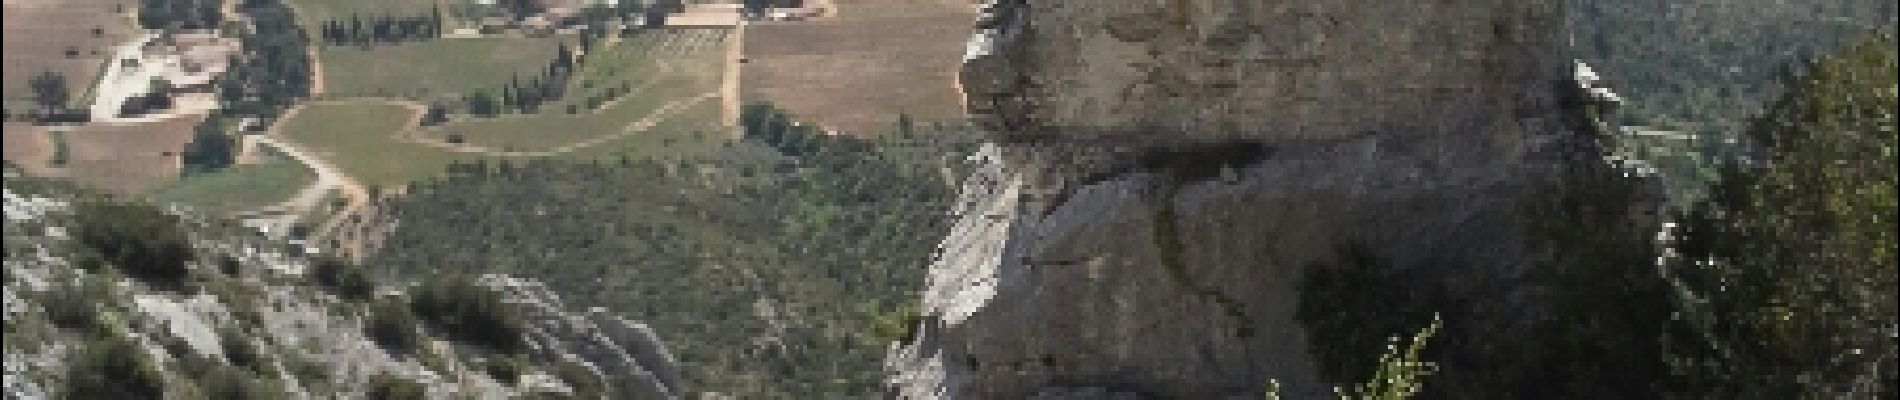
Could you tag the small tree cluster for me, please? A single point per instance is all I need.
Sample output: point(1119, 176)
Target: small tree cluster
point(109, 368)
point(210, 148)
point(138, 239)
point(346, 281)
point(392, 326)
point(528, 96)
point(384, 386)
point(180, 14)
point(466, 312)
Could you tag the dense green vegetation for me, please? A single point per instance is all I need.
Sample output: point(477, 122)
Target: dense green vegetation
point(275, 69)
point(180, 14)
point(463, 311)
point(346, 281)
point(137, 239)
point(1788, 275)
point(1780, 286)
point(389, 387)
point(1705, 66)
point(766, 265)
point(112, 368)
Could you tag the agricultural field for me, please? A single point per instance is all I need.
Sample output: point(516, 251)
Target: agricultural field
point(855, 72)
point(657, 68)
point(361, 140)
point(26, 146)
point(433, 69)
point(686, 134)
point(274, 178)
point(312, 13)
point(127, 158)
point(72, 38)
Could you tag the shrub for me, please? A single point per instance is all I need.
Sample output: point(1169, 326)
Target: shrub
point(393, 327)
point(465, 312)
point(241, 353)
point(75, 307)
point(507, 370)
point(111, 369)
point(137, 238)
point(389, 387)
point(239, 384)
point(344, 280)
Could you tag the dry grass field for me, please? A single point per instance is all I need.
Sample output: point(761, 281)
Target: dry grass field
point(26, 145)
point(857, 72)
point(68, 37)
point(127, 158)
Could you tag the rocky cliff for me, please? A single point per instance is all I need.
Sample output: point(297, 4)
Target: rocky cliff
point(1164, 173)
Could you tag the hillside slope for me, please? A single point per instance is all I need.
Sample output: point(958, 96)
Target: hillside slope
point(125, 300)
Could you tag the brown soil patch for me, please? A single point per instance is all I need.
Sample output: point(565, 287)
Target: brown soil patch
point(59, 36)
point(857, 72)
point(127, 158)
point(26, 146)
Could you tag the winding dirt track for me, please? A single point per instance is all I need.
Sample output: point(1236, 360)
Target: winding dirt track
point(413, 136)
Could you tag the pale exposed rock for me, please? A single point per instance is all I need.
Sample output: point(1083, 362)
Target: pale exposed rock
point(1162, 177)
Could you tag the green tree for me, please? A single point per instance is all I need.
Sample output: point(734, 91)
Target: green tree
point(109, 368)
point(210, 149)
point(137, 238)
point(50, 91)
point(482, 104)
point(1787, 276)
point(464, 311)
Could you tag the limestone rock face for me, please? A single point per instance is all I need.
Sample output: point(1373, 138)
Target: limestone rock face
point(1164, 172)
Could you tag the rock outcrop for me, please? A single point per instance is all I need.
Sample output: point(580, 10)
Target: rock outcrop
point(1164, 173)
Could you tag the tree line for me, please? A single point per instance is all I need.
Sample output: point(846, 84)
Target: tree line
point(358, 31)
point(518, 96)
point(180, 14)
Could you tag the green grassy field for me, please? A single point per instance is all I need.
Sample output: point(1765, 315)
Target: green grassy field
point(242, 187)
point(311, 13)
point(359, 139)
point(434, 69)
point(689, 133)
point(659, 67)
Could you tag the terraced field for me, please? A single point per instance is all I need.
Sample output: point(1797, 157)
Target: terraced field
point(433, 69)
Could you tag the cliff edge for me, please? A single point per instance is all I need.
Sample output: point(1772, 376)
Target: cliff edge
point(1164, 174)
